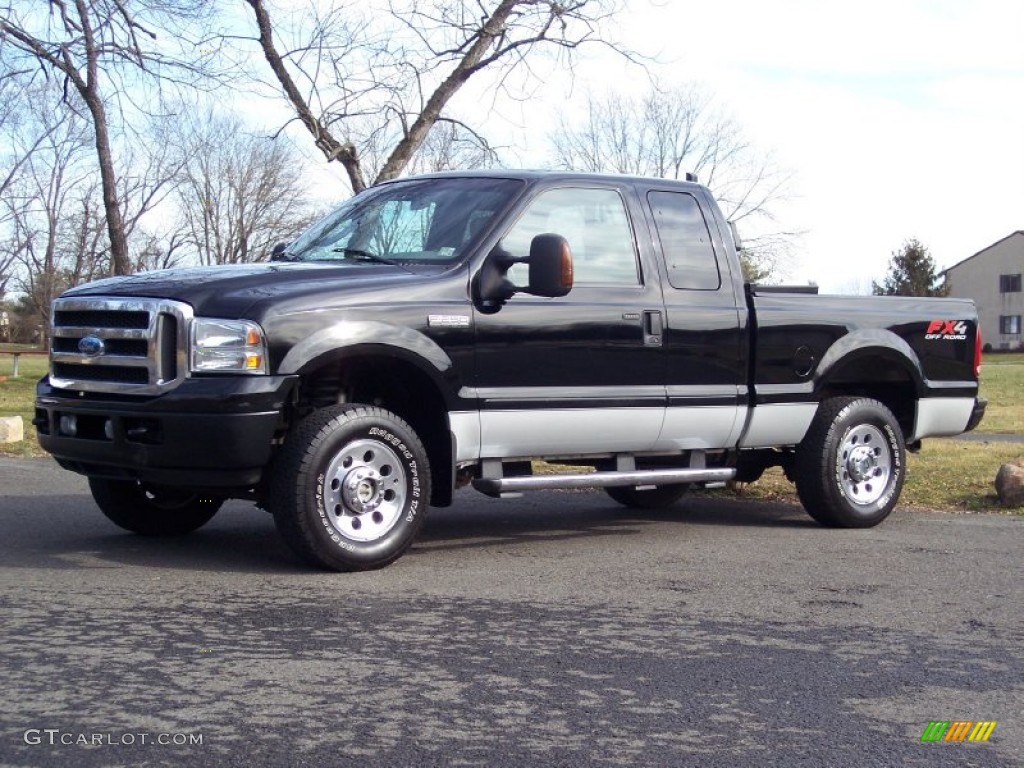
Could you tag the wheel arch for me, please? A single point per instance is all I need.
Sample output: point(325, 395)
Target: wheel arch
point(877, 364)
point(398, 380)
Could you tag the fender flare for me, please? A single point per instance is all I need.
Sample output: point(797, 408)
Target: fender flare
point(349, 338)
point(870, 343)
point(353, 336)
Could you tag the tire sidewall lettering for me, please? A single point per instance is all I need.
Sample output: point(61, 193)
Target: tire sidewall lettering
point(896, 457)
point(321, 509)
point(391, 440)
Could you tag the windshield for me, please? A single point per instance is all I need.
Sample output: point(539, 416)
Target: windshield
point(426, 221)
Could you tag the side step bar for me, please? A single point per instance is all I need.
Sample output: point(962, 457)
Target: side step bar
point(496, 486)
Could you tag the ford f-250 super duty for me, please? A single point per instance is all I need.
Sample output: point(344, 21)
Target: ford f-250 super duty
point(445, 330)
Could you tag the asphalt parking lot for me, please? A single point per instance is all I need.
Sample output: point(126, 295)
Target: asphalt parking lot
point(554, 630)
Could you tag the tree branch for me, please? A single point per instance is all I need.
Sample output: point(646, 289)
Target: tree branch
point(325, 142)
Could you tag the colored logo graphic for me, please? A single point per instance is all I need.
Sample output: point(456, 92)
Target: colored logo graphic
point(958, 730)
point(947, 330)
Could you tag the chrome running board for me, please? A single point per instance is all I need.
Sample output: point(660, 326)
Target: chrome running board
point(497, 486)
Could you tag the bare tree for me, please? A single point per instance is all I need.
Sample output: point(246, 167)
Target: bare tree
point(405, 66)
point(24, 137)
point(669, 133)
point(164, 250)
point(238, 193)
point(151, 171)
point(95, 47)
point(12, 108)
point(81, 237)
point(8, 260)
point(52, 208)
point(44, 204)
point(450, 146)
point(53, 211)
point(12, 160)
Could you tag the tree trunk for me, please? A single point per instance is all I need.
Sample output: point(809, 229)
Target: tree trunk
point(89, 90)
point(120, 264)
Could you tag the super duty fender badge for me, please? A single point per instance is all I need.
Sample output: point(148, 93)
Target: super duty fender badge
point(946, 330)
point(448, 321)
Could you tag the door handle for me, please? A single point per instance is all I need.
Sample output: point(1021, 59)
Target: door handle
point(653, 328)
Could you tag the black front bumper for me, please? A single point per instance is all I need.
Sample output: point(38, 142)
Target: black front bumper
point(206, 433)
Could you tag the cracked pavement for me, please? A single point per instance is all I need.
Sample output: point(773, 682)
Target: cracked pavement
point(556, 630)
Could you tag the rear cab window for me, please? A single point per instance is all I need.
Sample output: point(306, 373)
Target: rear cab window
point(685, 240)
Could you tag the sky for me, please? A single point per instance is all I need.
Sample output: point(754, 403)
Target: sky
point(897, 119)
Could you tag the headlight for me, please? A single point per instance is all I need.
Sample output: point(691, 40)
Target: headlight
point(228, 346)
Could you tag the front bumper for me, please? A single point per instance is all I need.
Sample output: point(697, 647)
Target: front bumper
point(977, 414)
point(214, 432)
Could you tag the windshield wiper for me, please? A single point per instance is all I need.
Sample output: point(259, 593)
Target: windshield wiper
point(358, 254)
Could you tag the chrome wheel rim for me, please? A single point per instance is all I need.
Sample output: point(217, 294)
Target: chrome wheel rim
point(864, 464)
point(364, 490)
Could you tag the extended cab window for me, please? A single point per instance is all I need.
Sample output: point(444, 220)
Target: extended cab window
point(685, 241)
point(595, 223)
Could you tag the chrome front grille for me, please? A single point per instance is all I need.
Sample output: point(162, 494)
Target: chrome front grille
point(130, 346)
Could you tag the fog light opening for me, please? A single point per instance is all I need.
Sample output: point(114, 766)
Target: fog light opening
point(69, 426)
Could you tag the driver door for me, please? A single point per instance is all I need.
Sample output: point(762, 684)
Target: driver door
point(582, 373)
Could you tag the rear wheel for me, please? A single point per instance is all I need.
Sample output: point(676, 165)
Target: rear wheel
point(849, 469)
point(649, 498)
point(153, 510)
point(349, 490)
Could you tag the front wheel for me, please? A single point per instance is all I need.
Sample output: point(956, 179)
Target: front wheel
point(349, 490)
point(850, 467)
point(153, 510)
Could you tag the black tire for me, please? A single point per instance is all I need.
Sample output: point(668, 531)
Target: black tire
point(349, 490)
point(850, 467)
point(153, 510)
point(650, 498)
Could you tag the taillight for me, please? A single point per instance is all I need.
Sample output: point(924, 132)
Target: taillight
point(977, 351)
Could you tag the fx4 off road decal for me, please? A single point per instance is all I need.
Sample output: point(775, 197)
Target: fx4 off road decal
point(946, 330)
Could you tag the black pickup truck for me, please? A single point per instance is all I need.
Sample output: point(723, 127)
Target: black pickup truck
point(447, 330)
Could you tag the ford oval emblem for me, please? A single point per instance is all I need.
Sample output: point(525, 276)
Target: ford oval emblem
point(91, 346)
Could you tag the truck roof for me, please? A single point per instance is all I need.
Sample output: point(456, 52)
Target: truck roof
point(538, 174)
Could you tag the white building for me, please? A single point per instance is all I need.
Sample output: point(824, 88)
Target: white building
point(992, 277)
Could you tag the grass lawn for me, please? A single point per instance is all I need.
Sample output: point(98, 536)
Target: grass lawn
point(17, 398)
point(1002, 382)
point(946, 474)
point(954, 475)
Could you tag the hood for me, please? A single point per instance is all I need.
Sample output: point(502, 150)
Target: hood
point(231, 289)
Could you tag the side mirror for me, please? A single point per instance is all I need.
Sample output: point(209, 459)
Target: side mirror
point(550, 273)
point(550, 266)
